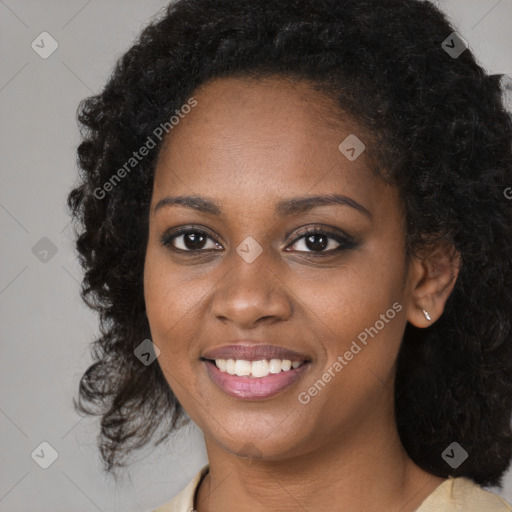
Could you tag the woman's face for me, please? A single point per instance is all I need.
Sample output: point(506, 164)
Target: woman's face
point(248, 269)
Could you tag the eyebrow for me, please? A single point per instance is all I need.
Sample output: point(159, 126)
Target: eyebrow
point(283, 208)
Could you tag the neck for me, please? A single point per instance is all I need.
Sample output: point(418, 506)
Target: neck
point(368, 470)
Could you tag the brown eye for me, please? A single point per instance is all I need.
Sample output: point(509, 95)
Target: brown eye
point(321, 241)
point(189, 240)
point(316, 242)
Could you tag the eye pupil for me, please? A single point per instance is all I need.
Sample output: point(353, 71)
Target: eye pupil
point(313, 244)
point(194, 241)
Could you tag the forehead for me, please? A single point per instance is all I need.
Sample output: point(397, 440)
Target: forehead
point(275, 135)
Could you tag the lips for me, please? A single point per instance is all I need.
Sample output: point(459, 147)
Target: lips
point(250, 350)
point(248, 388)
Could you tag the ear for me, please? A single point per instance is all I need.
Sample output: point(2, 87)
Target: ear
point(431, 277)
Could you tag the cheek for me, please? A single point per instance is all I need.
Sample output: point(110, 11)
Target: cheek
point(356, 312)
point(157, 292)
point(174, 303)
point(164, 302)
point(173, 306)
point(352, 297)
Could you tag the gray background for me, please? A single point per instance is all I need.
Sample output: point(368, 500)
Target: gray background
point(45, 328)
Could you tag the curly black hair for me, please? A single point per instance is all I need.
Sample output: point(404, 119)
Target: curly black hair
point(441, 134)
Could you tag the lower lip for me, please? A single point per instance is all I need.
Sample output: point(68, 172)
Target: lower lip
point(254, 388)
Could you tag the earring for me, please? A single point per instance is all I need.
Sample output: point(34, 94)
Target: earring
point(427, 316)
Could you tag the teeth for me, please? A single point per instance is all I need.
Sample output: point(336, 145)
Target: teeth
point(262, 368)
point(243, 367)
point(230, 366)
point(259, 368)
point(275, 365)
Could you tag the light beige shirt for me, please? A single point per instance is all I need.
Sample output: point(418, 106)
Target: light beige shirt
point(453, 495)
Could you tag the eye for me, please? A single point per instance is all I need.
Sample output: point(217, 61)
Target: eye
point(321, 241)
point(190, 240)
point(313, 240)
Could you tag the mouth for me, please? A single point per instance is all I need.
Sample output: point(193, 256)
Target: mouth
point(255, 369)
point(257, 379)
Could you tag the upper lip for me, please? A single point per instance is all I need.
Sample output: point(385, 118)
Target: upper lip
point(253, 351)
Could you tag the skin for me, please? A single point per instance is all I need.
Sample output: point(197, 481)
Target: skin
point(247, 145)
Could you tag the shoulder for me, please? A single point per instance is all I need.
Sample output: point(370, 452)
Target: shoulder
point(453, 495)
point(184, 501)
point(461, 494)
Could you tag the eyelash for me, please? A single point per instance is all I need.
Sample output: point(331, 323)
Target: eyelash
point(345, 242)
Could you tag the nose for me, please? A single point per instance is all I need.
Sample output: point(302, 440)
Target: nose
point(251, 294)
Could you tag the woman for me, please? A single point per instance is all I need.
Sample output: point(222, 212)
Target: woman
point(293, 225)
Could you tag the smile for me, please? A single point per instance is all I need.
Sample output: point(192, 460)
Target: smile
point(255, 380)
